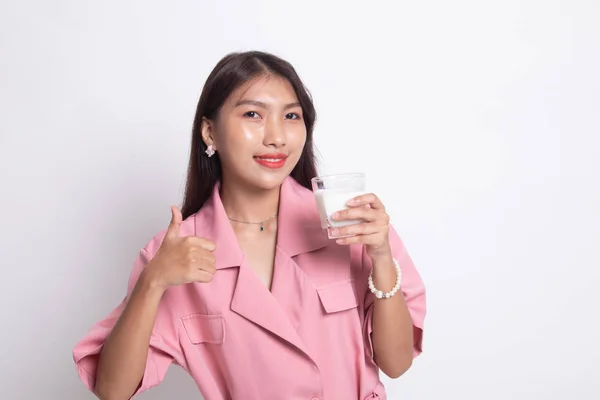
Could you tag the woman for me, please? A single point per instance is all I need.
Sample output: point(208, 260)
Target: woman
point(244, 290)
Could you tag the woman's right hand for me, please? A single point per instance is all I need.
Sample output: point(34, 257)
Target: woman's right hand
point(181, 260)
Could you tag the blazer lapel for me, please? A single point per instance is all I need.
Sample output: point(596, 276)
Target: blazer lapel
point(299, 226)
point(298, 231)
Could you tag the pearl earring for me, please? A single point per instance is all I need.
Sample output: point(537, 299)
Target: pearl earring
point(210, 151)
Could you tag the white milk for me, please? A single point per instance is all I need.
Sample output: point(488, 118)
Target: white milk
point(332, 200)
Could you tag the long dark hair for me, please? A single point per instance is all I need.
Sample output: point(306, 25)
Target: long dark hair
point(231, 72)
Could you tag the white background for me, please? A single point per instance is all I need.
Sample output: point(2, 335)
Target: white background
point(477, 123)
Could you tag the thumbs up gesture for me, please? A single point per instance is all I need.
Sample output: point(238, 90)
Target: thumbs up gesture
point(181, 260)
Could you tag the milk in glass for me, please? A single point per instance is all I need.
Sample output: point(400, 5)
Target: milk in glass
point(332, 193)
point(332, 200)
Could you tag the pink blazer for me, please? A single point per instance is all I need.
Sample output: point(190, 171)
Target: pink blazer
point(307, 338)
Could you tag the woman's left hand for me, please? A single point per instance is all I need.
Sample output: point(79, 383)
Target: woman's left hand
point(372, 232)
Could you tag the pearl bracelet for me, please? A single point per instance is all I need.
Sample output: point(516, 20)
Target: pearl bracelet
point(380, 294)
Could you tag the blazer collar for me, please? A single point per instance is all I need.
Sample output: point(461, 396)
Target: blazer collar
point(298, 225)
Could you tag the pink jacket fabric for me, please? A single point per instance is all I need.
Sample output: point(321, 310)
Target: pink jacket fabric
point(308, 338)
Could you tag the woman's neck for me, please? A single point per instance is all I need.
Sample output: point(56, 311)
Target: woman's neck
point(245, 204)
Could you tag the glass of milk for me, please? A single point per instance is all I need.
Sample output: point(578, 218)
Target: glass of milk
point(332, 192)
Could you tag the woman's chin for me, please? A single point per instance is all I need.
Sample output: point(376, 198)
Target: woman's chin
point(269, 180)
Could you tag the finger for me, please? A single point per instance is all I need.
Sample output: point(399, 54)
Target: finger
point(202, 276)
point(201, 258)
point(207, 267)
point(363, 239)
point(358, 229)
point(175, 224)
point(208, 263)
point(201, 242)
point(364, 213)
point(369, 198)
point(208, 244)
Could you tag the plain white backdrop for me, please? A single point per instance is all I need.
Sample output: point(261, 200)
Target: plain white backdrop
point(477, 123)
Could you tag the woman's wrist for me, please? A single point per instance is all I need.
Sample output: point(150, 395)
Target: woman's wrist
point(149, 282)
point(385, 278)
point(383, 261)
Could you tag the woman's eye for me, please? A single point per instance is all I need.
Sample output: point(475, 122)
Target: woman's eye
point(252, 114)
point(292, 116)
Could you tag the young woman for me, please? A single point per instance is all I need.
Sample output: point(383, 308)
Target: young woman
point(244, 290)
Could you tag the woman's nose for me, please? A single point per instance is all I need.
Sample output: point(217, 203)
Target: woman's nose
point(274, 134)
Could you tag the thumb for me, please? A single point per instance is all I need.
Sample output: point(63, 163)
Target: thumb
point(173, 229)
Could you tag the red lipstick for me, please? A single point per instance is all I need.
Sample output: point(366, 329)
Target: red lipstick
point(271, 160)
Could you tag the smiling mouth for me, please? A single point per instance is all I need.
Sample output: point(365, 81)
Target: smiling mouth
point(272, 161)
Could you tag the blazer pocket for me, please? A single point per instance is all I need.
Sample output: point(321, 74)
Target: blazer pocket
point(203, 328)
point(338, 296)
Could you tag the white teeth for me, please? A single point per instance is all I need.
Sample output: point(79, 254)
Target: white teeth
point(270, 159)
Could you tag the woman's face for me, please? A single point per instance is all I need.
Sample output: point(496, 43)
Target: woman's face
point(259, 133)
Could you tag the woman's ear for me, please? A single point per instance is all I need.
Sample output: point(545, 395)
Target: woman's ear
point(208, 129)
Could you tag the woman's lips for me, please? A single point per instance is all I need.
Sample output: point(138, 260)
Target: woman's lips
point(271, 160)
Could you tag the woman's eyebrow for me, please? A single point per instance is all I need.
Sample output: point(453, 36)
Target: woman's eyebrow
point(262, 104)
point(292, 105)
point(251, 102)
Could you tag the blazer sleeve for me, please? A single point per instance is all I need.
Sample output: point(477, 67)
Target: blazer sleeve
point(164, 342)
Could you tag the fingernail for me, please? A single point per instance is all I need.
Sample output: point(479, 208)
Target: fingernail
point(336, 215)
point(335, 232)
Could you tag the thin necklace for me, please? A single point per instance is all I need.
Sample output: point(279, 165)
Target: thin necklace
point(262, 224)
